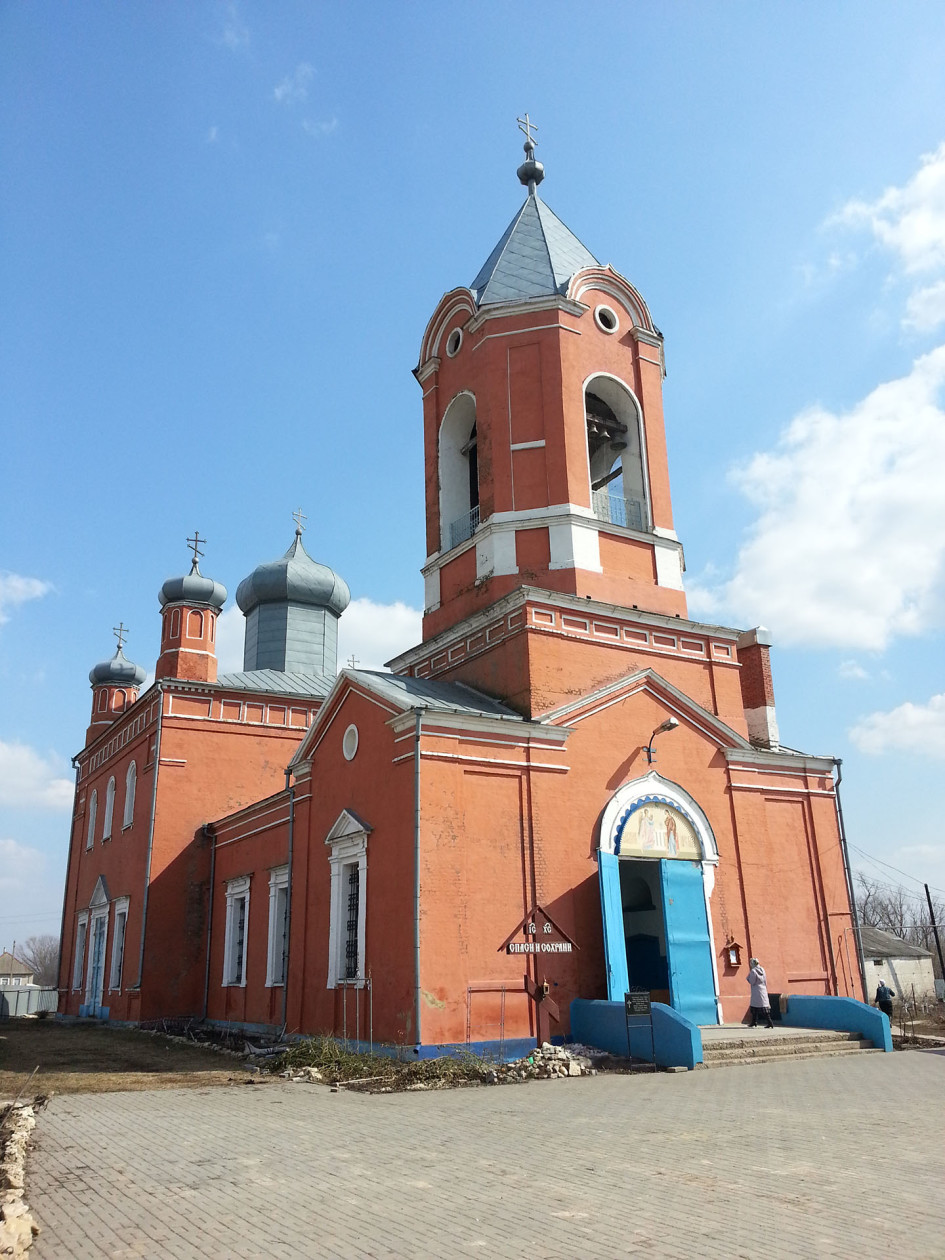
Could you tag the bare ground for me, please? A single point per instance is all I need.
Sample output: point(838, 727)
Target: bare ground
point(90, 1059)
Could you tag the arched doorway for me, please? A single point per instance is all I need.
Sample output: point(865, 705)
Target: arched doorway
point(657, 862)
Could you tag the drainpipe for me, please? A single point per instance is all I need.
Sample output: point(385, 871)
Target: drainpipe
point(849, 878)
point(290, 787)
point(147, 866)
point(65, 894)
point(208, 834)
point(418, 715)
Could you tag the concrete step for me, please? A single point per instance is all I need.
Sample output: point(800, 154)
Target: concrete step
point(783, 1050)
point(867, 1048)
point(778, 1042)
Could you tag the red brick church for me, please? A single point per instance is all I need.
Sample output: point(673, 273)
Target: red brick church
point(568, 789)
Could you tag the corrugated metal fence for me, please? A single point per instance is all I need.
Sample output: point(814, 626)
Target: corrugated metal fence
point(26, 1000)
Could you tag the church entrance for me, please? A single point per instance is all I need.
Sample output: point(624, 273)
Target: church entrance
point(656, 870)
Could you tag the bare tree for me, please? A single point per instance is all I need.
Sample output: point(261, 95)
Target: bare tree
point(895, 909)
point(42, 954)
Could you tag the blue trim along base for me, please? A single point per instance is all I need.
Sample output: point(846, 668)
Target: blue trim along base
point(677, 1041)
point(841, 1014)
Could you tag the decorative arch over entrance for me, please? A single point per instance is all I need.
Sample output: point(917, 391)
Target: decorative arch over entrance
point(656, 861)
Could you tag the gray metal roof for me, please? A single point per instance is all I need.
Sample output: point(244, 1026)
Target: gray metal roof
point(880, 944)
point(274, 680)
point(423, 693)
point(536, 256)
point(297, 578)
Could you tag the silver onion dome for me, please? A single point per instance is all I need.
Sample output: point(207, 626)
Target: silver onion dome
point(294, 578)
point(119, 672)
point(194, 588)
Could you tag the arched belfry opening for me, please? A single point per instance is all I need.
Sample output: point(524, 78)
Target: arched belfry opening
point(458, 472)
point(615, 454)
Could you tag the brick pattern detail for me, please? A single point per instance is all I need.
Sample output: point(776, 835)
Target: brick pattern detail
point(757, 687)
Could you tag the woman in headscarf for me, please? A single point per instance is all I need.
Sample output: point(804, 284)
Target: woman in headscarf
point(760, 1005)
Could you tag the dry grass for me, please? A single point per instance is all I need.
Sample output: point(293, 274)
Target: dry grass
point(84, 1059)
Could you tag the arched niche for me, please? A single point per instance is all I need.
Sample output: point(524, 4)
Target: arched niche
point(621, 821)
point(458, 472)
point(616, 453)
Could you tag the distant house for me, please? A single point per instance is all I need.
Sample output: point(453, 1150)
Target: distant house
point(13, 973)
point(904, 967)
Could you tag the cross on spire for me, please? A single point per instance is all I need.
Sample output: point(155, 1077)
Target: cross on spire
point(526, 127)
point(120, 631)
point(299, 516)
point(353, 660)
point(194, 545)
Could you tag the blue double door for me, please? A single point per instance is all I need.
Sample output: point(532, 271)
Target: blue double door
point(684, 933)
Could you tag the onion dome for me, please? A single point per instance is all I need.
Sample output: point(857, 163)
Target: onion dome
point(118, 672)
point(294, 579)
point(193, 589)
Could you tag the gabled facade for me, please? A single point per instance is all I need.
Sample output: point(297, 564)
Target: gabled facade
point(569, 788)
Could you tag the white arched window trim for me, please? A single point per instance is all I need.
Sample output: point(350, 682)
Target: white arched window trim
point(109, 810)
point(618, 395)
point(131, 783)
point(93, 812)
point(457, 511)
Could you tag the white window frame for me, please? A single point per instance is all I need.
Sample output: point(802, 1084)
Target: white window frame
point(109, 810)
point(131, 784)
point(117, 962)
point(278, 950)
point(237, 891)
point(96, 917)
point(81, 944)
point(347, 841)
point(93, 812)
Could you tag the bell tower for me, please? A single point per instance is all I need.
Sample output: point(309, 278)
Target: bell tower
point(544, 444)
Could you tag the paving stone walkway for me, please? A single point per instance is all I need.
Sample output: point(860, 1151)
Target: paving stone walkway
point(819, 1158)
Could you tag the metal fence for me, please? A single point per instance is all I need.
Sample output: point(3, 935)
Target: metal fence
point(26, 999)
point(617, 510)
point(464, 528)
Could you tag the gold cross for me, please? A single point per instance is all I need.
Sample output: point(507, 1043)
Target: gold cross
point(526, 127)
point(119, 632)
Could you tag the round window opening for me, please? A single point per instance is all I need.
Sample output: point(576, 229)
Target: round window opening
point(453, 342)
point(606, 319)
point(349, 744)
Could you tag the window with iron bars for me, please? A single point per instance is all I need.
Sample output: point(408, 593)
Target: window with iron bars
point(351, 926)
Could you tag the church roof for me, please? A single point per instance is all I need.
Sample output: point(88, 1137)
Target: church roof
point(277, 682)
point(118, 671)
point(536, 257)
point(424, 693)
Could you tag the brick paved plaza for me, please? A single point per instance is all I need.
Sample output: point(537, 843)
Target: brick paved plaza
point(833, 1157)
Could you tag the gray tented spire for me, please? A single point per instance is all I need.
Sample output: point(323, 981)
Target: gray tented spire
point(292, 606)
point(537, 254)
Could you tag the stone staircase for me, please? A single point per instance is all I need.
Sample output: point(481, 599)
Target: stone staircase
point(737, 1044)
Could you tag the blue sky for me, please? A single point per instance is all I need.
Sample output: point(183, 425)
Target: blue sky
point(223, 227)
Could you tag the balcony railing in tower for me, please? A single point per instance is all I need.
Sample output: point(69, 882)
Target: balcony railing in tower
point(617, 510)
point(465, 527)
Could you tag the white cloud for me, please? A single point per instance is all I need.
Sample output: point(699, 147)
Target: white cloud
point(235, 31)
point(319, 129)
point(230, 625)
point(28, 780)
point(848, 549)
point(294, 87)
point(853, 670)
point(16, 590)
point(20, 869)
point(909, 222)
point(910, 728)
point(374, 633)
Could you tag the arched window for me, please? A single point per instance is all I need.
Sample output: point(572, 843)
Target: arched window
point(459, 472)
point(102, 700)
point(615, 454)
point(175, 623)
point(109, 809)
point(118, 700)
point(195, 625)
point(93, 811)
point(131, 780)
